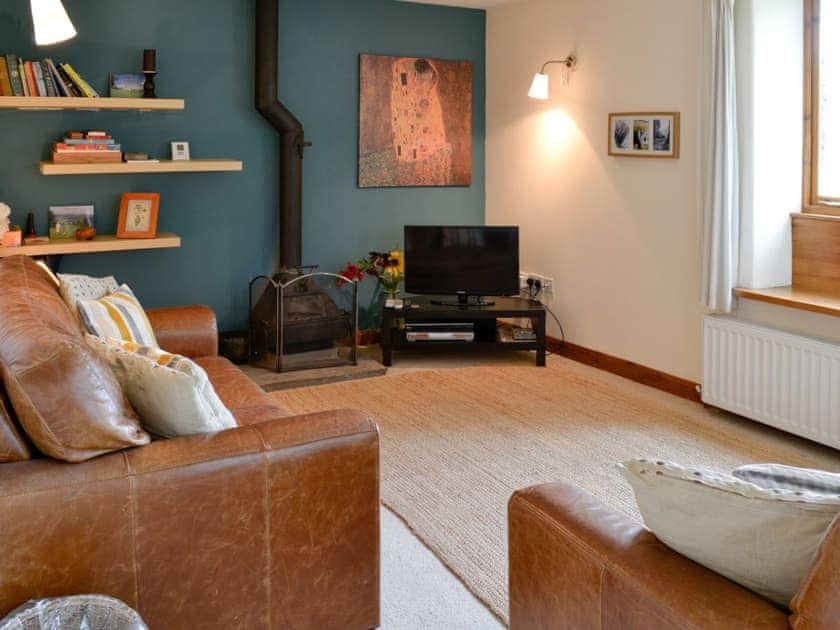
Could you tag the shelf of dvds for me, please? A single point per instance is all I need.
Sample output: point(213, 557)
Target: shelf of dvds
point(53, 103)
point(127, 168)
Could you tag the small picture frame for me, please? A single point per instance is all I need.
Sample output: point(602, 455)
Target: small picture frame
point(180, 151)
point(138, 215)
point(644, 134)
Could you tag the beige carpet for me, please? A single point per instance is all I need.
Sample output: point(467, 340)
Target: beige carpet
point(457, 443)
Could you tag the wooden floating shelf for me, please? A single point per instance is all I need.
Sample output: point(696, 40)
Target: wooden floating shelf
point(98, 245)
point(91, 104)
point(125, 168)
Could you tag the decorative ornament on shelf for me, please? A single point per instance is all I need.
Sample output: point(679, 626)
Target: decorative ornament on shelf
point(387, 267)
point(5, 213)
point(150, 70)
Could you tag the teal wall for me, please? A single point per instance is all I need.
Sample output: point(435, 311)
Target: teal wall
point(205, 55)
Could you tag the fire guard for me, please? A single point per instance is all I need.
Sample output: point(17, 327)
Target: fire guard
point(302, 320)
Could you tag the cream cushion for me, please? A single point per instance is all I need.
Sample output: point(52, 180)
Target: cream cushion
point(74, 287)
point(172, 394)
point(118, 315)
point(763, 539)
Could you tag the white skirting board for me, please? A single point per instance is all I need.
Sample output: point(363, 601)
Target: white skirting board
point(787, 381)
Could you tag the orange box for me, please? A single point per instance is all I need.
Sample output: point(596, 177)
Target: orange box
point(12, 239)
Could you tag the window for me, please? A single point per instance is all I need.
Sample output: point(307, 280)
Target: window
point(822, 106)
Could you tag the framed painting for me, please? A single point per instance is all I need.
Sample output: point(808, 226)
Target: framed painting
point(645, 134)
point(415, 122)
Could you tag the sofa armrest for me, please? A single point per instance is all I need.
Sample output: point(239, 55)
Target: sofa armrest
point(187, 330)
point(817, 605)
point(575, 563)
point(266, 526)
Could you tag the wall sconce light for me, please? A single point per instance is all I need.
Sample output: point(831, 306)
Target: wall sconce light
point(539, 86)
point(52, 24)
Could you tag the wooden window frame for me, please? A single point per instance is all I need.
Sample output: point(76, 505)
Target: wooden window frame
point(811, 202)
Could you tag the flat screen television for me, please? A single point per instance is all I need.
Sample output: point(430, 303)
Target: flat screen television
point(467, 261)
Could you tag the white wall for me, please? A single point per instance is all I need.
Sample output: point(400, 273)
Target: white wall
point(620, 236)
point(770, 78)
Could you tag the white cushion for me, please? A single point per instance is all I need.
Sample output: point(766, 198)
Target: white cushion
point(172, 394)
point(118, 315)
point(763, 539)
point(778, 476)
point(74, 287)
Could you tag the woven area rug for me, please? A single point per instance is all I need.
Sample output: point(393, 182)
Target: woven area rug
point(456, 443)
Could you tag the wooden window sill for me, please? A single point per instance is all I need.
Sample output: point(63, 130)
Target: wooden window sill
point(824, 303)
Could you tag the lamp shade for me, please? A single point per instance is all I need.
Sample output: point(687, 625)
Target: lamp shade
point(52, 24)
point(539, 87)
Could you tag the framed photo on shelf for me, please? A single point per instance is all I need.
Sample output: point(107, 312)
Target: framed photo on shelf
point(180, 151)
point(138, 215)
point(644, 134)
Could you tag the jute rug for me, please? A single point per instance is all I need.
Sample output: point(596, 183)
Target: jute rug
point(456, 444)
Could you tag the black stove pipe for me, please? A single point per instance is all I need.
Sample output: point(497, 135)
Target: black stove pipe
point(292, 141)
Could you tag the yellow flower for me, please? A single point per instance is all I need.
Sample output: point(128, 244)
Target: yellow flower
point(400, 258)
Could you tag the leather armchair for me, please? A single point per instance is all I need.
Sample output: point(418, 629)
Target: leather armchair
point(575, 563)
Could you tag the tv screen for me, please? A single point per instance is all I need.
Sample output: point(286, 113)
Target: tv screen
point(450, 260)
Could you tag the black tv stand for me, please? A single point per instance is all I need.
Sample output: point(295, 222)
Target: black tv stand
point(464, 301)
point(490, 336)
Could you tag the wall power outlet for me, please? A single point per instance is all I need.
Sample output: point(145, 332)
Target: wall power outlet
point(546, 284)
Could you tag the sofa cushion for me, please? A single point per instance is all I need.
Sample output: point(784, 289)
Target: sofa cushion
point(778, 476)
point(75, 287)
point(118, 315)
point(764, 539)
point(65, 397)
point(172, 394)
point(13, 446)
point(246, 400)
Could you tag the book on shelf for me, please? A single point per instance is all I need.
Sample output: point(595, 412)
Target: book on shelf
point(19, 77)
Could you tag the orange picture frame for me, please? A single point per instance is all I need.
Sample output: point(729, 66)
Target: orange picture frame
point(138, 215)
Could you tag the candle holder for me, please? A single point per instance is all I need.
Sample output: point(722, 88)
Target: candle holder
point(150, 70)
point(149, 85)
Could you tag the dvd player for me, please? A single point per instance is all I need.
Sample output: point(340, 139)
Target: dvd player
point(440, 331)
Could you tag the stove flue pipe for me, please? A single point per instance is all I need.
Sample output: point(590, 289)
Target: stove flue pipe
point(292, 141)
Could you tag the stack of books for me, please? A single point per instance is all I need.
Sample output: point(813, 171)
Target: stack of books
point(41, 78)
point(92, 147)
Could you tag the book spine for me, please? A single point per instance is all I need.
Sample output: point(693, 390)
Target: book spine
point(59, 82)
point(5, 82)
point(74, 141)
point(61, 146)
point(71, 87)
point(30, 79)
point(39, 78)
point(23, 77)
point(48, 80)
point(80, 82)
point(14, 75)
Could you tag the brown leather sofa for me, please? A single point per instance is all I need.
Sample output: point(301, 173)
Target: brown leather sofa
point(576, 564)
point(274, 524)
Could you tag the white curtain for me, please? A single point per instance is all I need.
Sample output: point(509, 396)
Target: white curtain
point(721, 198)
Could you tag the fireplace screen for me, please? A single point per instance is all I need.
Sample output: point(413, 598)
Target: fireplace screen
point(301, 319)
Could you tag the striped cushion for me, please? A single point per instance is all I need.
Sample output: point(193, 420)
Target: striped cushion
point(780, 477)
point(118, 315)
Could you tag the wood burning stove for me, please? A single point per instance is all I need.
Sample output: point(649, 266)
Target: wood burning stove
point(303, 319)
point(299, 318)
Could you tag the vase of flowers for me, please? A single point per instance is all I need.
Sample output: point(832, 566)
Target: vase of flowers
point(387, 267)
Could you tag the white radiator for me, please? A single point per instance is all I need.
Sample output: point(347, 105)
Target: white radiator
point(788, 381)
